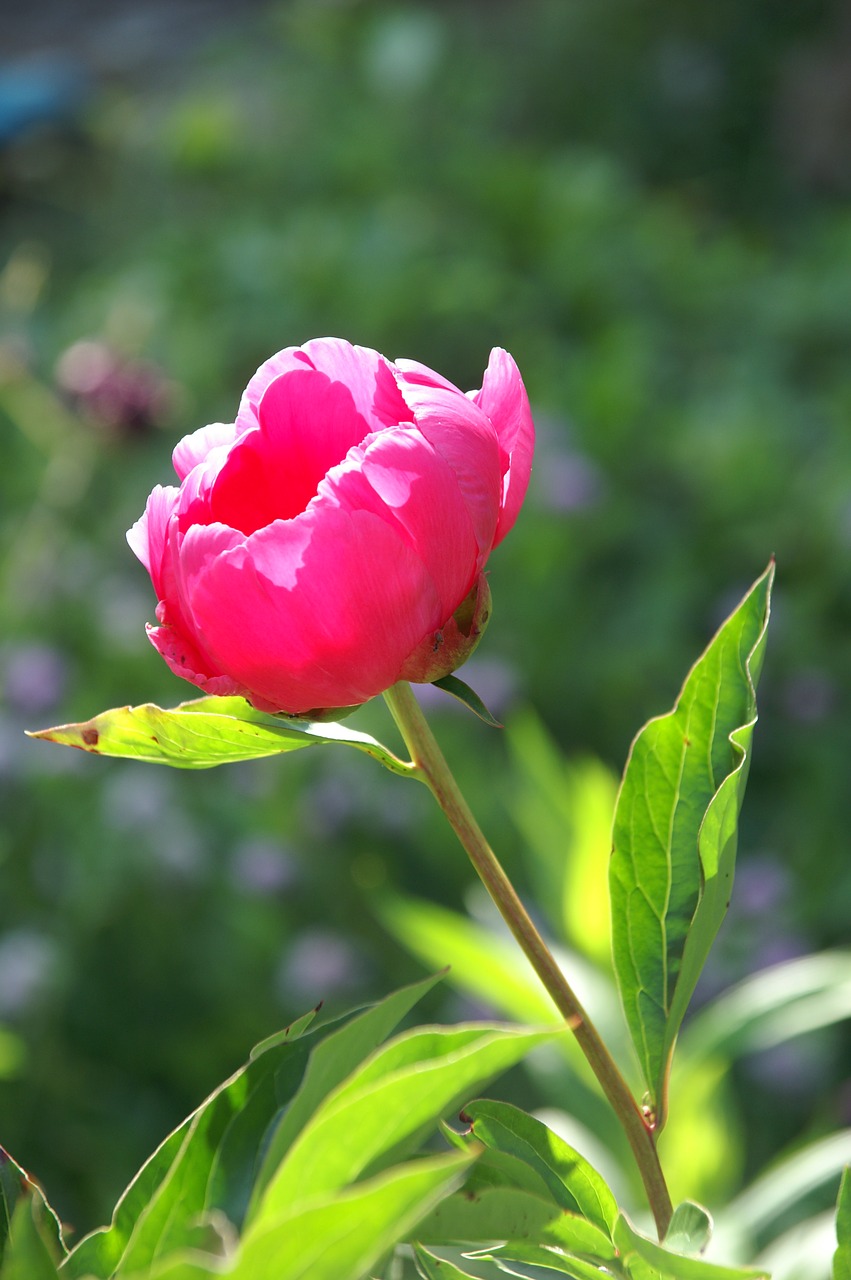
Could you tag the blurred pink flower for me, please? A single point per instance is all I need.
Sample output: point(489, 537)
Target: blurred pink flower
point(319, 548)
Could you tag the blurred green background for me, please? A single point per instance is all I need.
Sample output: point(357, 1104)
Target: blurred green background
point(647, 203)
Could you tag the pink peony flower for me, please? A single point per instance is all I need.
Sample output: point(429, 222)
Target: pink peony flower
point(332, 540)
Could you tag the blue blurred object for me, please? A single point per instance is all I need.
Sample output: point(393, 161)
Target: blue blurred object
point(38, 93)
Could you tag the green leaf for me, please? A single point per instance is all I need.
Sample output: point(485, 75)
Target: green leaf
point(643, 1257)
point(431, 1267)
point(550, 1259)
point(842, 1257)
point(16, 1188)
point(690, 1228)
point(564, 810)
point(169, 1199)
point(341, 1235)
point(571, 1181)
point(480, 1215)
point(207, 732)
point(786, 1184)
point(675, 832)
point(486, 964)
point(338, 1054)
point(208, 1165)
point(31, 1252)
point(394, 1098)
point(772, 1006)
point(458, 689)
point(490, 966)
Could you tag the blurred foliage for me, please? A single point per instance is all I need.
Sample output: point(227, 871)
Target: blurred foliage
point(644, 203)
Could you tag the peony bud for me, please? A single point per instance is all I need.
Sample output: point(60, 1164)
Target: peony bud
point(332, 540)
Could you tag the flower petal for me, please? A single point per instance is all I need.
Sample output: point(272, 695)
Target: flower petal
point(317, 611)
point(148, 536)
point(307, 426)
point(401, 477)
point(467, 441)
point(195, 448)
point(365, 372)
point(503, 398)
point(421, 375)
point(186, 661)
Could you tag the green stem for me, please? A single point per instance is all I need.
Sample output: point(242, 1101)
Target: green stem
point(431, 767)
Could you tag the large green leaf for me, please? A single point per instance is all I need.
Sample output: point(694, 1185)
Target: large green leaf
point(550, 1259)
point(842, 1257)
point(397, 1096)
point(773, 1005)
point(768, 1199)
point(674, 837)
point(207, 1167)
point(17, 1188)
point(563, 809)
point(477, 1216)
point(338, 1054)
point(489, 966)
point(335, 1237)
point(31, 1251)
point(431, 1267)
point(571, 1181)
point(644, 1259)
point(206, 732)
point(340, 1236)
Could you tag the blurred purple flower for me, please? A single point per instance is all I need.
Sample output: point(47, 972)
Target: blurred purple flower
point(762, 885)
point(27, 967)
point(566, 481)
point(35, 677)
point(794, 1068)
point(809, 696)
point(260, 866)
point(122, 396)
point(318, 964)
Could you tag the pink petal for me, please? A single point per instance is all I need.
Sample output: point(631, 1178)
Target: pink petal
point(194, 449)
point(148, 536)
point(465, 438)
point(185, 661)
point(402, 478)
point(307, 426)
point(420, 375)
point(317, 611)
point(503, 398)
point(365, 372)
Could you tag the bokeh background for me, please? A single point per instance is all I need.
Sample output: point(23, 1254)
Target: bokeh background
point(647, 203)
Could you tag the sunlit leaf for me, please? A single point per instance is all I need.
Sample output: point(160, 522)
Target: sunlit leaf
point(482, 1215)
point(675, 835)
point(689, 1230)
point(338, 1237)
point(842, 1257)
point(773, 1005)
point(550, 1259)
point(564, 810)
point(431, 1267)
point(31, 1252)
point(207, 732)
point(571, 1181)
point(339, 1053)
point(397, 1095)
point(490, 967)
point(786, 1184)
point(16, 1188)
point(208, 1165)
point(643, 1258)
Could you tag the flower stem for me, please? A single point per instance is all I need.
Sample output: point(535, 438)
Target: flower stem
point(431, 767)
